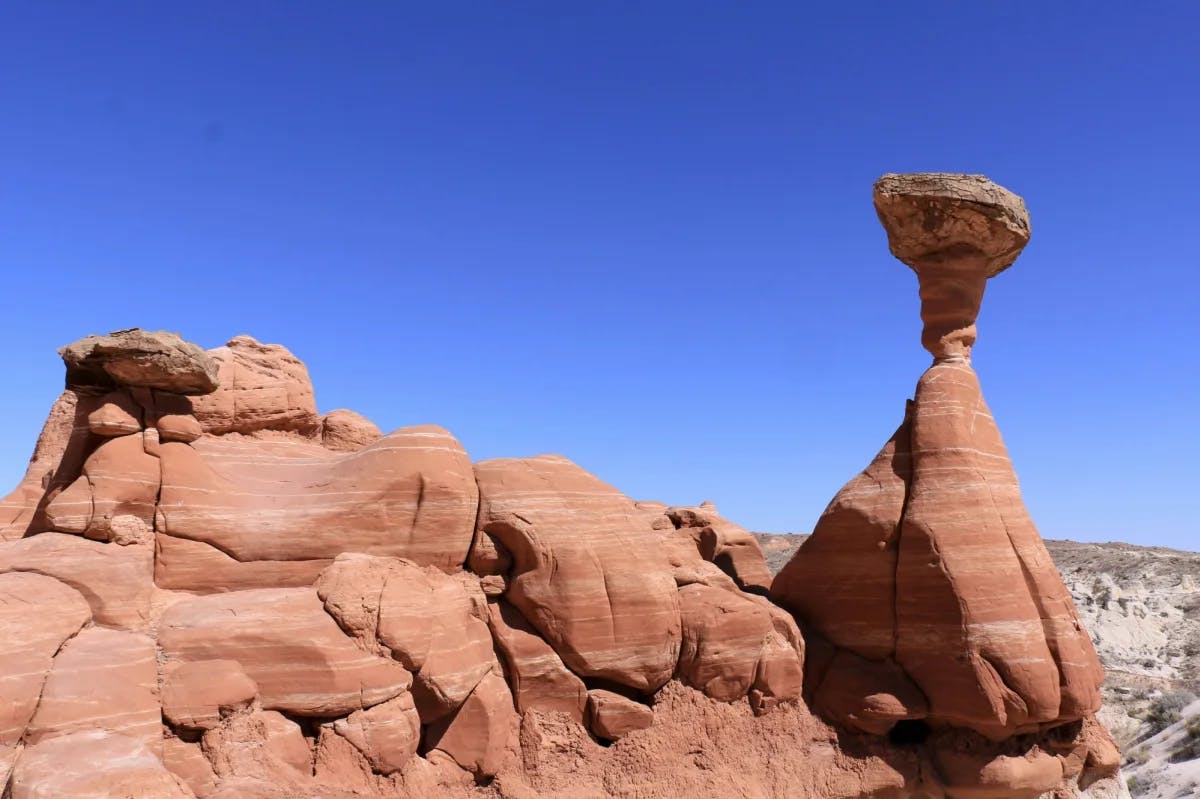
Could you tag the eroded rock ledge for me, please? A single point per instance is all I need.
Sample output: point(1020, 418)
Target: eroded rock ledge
point(212, 590)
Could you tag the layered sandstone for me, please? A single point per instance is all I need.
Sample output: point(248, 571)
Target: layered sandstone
point(212, 590)
point(926, 574)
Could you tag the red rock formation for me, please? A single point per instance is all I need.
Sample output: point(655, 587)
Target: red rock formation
point(926, 573)
point(210, 590)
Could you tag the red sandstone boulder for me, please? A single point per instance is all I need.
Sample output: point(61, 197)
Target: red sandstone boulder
point(286, 642)
point(92, 764)
point(611, 716)
point(37, 615)
point(347, 431)
point(538, 678)
point(410, 494)
point(587, 572)
point(187, 762)
point(725, 637)
point(984, 624)
point(427, 620)
point(102, 680)
point(262, 387)
point(56, 460)
point(477, 736)
point(734, 550)
point(115, 497)
point(117, 415)
point(115, 580)
point(264, 745)
point(178, 427)
point(386, 734)
point(197, 694)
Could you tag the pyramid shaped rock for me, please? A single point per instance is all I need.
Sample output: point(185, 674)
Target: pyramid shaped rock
point(926, 569)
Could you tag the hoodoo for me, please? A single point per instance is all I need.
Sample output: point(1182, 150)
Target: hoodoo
point(208, 589)
point(925, 586)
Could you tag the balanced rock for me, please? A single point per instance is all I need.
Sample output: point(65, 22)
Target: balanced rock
point(139, 358)
point(928, 561)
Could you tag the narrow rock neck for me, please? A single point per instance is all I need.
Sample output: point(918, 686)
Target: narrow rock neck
point(951, 293)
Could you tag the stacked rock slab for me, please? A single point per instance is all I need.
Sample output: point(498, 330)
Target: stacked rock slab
point(925, 585)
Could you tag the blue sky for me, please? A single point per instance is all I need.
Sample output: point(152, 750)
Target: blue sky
point(637, 234)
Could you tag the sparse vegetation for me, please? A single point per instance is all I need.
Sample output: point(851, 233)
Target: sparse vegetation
point(1190, 749)
point(1165, 710)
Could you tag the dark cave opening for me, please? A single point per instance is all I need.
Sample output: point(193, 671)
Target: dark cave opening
point(909, 732)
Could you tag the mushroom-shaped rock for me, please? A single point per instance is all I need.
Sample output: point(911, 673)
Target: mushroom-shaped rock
point(263, 387)
point(347, 431)
point(611, 716)
point(287, 643)
point(197, 694)
point(955, 231)
point(139, 358)
point(93, 764)
point(928, 560)
point(587, 571)
point(37, 615)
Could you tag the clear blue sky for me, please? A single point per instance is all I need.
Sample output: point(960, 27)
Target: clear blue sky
point(637, 234)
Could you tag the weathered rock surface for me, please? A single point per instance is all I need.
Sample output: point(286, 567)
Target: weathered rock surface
point(140, 358)
point(262, 387)
point(586, 570)
point(213, 590)
point(347, 431)
point(38, 615)
point(612, 716)
point(93, 764)
point(410, 494)
point(197, 694)
point(539, 679)
point(284, 640)
point(103, 680)
point(116, 581)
